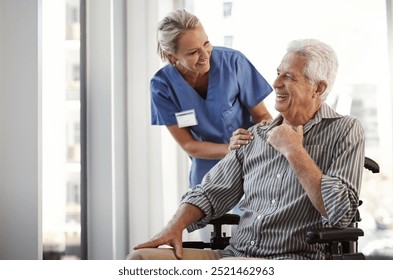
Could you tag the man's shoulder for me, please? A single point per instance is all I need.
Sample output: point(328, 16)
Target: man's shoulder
point(260, 129)
point(351, 121)
point(327, 112)
point(342, 126)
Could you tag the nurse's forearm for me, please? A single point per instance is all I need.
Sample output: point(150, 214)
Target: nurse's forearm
point(205, 150)
point(194, 148)
point(260, 113)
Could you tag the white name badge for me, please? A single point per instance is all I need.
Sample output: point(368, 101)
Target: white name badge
point(186, 118)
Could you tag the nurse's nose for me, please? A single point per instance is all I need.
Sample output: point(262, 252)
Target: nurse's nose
point(204, 52)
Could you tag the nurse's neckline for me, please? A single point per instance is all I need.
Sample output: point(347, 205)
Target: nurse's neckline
point(198, 82)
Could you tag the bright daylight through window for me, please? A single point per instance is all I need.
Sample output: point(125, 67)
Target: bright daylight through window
point(61, 130)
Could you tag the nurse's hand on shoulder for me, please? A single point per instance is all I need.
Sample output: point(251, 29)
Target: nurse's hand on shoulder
point(265, 122)
point(240, 137)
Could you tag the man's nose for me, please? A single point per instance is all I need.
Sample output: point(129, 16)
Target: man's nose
point(277, 82)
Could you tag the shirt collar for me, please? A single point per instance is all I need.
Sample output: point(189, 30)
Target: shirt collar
point(325, 112)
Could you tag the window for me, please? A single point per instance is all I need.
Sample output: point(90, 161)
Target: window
point(62, 148)
point(227, 9)
point(228, 41)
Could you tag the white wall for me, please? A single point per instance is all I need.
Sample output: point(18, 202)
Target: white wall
point(157, 167)
point(144, 171)
point(125, 188)
point(20, 124)
point(106, 124)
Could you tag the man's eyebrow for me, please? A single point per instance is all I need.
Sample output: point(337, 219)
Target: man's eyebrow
point(286, 72)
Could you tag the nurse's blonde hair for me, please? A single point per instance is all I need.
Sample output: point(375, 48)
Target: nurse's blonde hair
point(170, 29)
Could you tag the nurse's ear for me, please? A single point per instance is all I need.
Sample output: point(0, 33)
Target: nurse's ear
point(172, 59)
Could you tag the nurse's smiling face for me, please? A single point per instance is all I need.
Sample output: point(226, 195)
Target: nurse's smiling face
point(193, 51)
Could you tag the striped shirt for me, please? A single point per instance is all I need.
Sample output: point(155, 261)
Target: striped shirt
point(277, 211)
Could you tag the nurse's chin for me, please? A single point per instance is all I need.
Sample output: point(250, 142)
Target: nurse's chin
point(203, 70)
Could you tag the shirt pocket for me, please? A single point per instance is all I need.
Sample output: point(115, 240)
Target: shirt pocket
point(231, 117)
point(321, 154)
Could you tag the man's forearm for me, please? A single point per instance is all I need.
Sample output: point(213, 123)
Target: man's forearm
point(310, 176)
point(186, 215)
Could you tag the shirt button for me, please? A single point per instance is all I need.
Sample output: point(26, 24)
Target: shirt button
point(252, 242)
point(273, 201)
point(278, 175)
point(258, 217)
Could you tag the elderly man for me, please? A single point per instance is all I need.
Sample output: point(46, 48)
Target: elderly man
point(302, 170)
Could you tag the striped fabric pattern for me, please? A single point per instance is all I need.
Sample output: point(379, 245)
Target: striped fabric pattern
point(277, 210)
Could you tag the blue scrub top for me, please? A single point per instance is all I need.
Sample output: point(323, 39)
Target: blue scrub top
point(235, 86)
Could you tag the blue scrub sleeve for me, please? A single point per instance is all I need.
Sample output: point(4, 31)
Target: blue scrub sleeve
point(163, 109)
point(253, 86)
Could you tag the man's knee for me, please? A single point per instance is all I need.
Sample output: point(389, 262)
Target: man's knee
point(152, 254)
point(135, 255)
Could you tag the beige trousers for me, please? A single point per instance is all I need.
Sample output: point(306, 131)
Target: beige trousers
point(188, 254)
point(168, 254)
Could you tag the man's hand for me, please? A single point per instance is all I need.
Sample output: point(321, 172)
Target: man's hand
point(286, 139)
point(171, 235)
point(168, 236)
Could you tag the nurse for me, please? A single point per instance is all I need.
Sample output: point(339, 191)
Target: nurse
point(206, 96)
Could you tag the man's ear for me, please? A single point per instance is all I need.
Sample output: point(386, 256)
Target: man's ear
point(321, 87)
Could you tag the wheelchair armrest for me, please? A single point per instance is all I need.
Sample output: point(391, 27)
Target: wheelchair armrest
point(327, 235)
point(218, 240)
point(226, 219)
point(371, 165)
point(196, 244)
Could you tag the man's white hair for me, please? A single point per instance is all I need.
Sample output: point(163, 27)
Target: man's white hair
point(321, 61)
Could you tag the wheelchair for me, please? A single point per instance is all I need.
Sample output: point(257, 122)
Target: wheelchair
point(340, 243)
